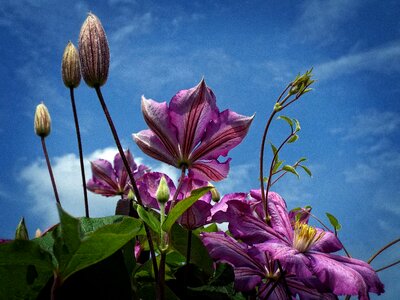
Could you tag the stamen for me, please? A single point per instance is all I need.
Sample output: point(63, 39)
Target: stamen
point(305, 236)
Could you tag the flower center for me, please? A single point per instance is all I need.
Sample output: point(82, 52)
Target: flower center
point(305, 236)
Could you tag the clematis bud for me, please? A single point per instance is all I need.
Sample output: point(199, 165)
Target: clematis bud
point(21, 233)
point(38, 233)
point(42, 123)
point(162, 193)
point(70, 66)
point(94, 52)
point(215, 196)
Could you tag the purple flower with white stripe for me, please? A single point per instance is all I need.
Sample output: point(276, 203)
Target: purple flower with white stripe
point(191, 133)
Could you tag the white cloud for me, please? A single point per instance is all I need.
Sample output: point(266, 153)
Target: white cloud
point(241, 178)
point(385, 59)
point(360, 173)
point(69, 184)
point(136, 25)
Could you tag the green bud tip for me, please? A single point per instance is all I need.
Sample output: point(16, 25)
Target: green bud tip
point(162, 193)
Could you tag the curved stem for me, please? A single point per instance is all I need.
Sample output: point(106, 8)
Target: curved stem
point(161, 277)
point(264, 137)
point(129, 171)
point(388, 266)
point(383, 249)
point(53, 182)
point(78, 135)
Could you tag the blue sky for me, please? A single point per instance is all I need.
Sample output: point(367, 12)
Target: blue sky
point(247, 51)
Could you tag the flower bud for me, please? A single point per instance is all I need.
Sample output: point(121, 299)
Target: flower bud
point(70, 67)
point(215, 196)
point(94, 52)
point(42, 121)
point(38, 233)
point(21, 233)
point(162, 193)
point(131, 195)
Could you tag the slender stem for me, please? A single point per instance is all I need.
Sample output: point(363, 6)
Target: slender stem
point(78, 136)
point(263, 196)
point(161, 277)
point(129, 171)
point(54, 287)
point(388, 266)
point(189, 247)
point(53, 182)
point(383, 249)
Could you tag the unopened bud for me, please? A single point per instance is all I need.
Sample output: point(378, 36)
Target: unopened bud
point(94, 52)
point(70, 67)
point(42, 123)
point(21, 233)
point(131, 195)
point(162, 193)
point(215, 196)
point(38, 233)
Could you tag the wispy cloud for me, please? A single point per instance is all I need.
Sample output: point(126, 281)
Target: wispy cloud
point(324, 17)
point(384, 59)
point(241, 178)
point(370, 123)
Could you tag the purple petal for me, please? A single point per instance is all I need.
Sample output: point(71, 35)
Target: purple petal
point(303, 215)
point(292, 260)
point(218, 211)
point(224, 249)
point(150, 144)
point(244, 225)
point(279, 216)
point(196, 216)
point(345, 276)
point(103, 177)
point(223, 135)
point(191, 111)
point(120, 169)
point(100, 188)
point(327, 243)
point(157, 117)
point(211, 170)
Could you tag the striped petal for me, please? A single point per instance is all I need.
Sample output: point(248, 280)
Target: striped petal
point(222, 135)
point(191, 111)
point(211, 170)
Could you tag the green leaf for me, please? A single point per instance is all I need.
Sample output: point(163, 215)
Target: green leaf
point(274, 150)
point(297, 127)
point(91, 224)
point(25, 269)
point(334, 222)
point(302, 159)
point(75, 251)
point(307, 170)
point(182, 206)
point(293, 139)
point(199, 253)
point(290, 169)
point(287, 119)
point(277, 165)
point(149, 219)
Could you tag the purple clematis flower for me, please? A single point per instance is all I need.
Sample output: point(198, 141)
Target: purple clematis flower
point(196, 216)
point(112, 181)
point(301, 248)
point(190, 133)
point(255, 268)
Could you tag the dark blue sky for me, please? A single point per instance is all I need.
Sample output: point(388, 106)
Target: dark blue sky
point(247, 51)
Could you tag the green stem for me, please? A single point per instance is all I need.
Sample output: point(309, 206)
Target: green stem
point(78, 135)
point(129, 171)
point(383, 249)
point(53, 182)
